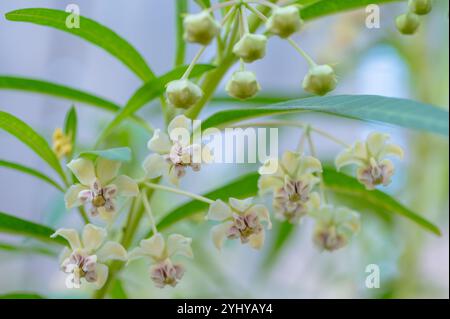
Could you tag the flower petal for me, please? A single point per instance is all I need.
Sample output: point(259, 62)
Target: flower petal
point(112, 250)
point(71, 197)
point(102, 274)
point(155, 165)
point(256, 241)
point(290, 162)
point(84, 170)
point(263, 214)
point(392, 149)
point(241, 205)
point(106, 170)
point(71, 235)
point(219, 233)
point(270, 167)
point(309, 165)
point(92, 237)
point(159, 143)
point(180, 121)
point(219, 211)
point(376, 142)
point(179, 245)
point(154, 246)
point(347, 157)
point(267, 183)
point(126, 186)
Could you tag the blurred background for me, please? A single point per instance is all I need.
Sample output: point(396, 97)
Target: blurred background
point(413, 263)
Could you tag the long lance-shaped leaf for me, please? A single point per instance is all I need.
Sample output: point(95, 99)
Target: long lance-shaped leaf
point(91, 31)
point(13, 225)
point(21, 295)
point(380, 109)
point(27, 249)
point(181, 8)
point(32, 172)
point(151, 91)
point(33, 140)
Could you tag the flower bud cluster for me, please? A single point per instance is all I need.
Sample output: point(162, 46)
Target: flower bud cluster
point(409, 22)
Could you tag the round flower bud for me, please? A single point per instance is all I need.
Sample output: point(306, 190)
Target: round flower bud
point(320, 80)
point(200, 28)
point(243, 85)
point(251, 47)
point(284, 21)
point(407, 23)
point(183, 93)
point(420, 7)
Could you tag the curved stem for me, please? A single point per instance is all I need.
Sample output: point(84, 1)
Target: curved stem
point(149, 211)
point(193, 63)
point(178, 191)
point(257, 13)
point(222, 5)
point(302, 52)
point(312, 149)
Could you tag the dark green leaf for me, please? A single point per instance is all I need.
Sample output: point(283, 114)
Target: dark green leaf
point(25, 249)
point(121, 154)
point(70, 125)
point(21, 295)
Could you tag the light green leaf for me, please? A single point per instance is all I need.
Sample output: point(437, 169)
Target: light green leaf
point(91, 31)
point(70, 125)
point(121, 154)
point(149, 91)
point(33, 140)
point(18, 226)
point(326, 7)
point(402, 112)
point(281, 233)
point(263, 99)
point(204, 3)
point(21, 295)
point(118, 290)
point(32, 172)
point(182, 8)
point(26, 249)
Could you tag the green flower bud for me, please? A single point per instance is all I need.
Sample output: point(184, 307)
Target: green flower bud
point(284, 21)
point(407, 23)
point(183, 93)
point(320, 80)
point(243, 85)
point(420, 7)
point(200, 28)
point(251, 47)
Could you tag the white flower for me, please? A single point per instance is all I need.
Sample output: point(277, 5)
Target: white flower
point(239, 219)
point(173, 151)
point(200, 28)
point(163, 271)
point(284, 21)
point(86, 257)
point(369, 156)
point(335, 227)
point(99, 186)
point(251, 47)
point(243, 85)
point(292, 185)
point(320, 80)
point(183, 93)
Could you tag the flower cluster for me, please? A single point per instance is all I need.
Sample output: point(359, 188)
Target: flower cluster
point(202, 28)
point(408, 23)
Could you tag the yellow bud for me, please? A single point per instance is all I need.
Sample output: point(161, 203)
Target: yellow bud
point(243, 85)
point(183, 93)
point(284, 21)
point(251, 47)
point(320, 80)
point(420, 7)
point(200, 28)
point(407, 23)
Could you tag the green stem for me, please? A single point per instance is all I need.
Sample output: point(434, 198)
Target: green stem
point(149, 211)
point(302, 53)
point(178, 191)
point(314, 154)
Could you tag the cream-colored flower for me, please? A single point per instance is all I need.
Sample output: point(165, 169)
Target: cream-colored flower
point(369, 157)
point(335, 227)
point(99, 186)
point(284, 21)
point(86, 257)
point(292, 185)
point(200, 28)
point(243, 85)
point(174, 151)
point(183, 93)
point(320, 80)
point(62, 143)
point(251, 47)
point(163, 271)
point(239, 219)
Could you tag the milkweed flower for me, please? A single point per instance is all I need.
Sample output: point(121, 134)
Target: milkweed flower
point(251, 47)
point(99, 186)
point(173, 151)
point(183, 93)
point(240, 219)
point(292, 185)
point(369, 157)
point(86, 257)
point(320, 80)
point(243, 85)
point(62, 143)
point(162, 270)
point(335, 227)
point(284, 21)
point(200, 28)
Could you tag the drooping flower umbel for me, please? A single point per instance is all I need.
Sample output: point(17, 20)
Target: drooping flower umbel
point(239, 219)
point(86, 257)
point(335, 227)
point(369, 157)
point(292, 184)
point(163, 271)
point(174, 151)
point(99, 186)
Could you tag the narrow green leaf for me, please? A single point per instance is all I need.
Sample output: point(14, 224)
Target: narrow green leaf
point(149, 91)
point(264, 99)
point(182, 8)
point(70, 125)
point(27, 249)
point(204, 3)
point(14, 225)
point(282, 232)
point(91, 31)
point(402, 112)
point(345, 185)
point(118, 291)
point(21, 295)
point(121, 154)
point(32, 172)
point(322, 8)
point(33, 140)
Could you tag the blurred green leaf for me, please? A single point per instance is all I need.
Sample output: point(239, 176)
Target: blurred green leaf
point(281, 234)
point(33, 140)
point(27, 249)
point(326, 7)
point(118, 291)
point(13, 225)
point(32, 172)
point(263, 99)
point(149, 91)
point(181, 9)
point(402, 112)
point(70, 125)
point(91, 31)
point(21, 295)
point(204, 3)
point(121, 154)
